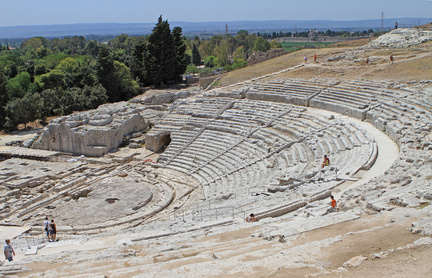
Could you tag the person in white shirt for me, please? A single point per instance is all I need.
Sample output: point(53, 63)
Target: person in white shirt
point(46, 226)
point(8, 251)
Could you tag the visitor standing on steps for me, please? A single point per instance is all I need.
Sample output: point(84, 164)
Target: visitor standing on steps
point(391, 59)
point(315, 57)
point(367, 61)
point(53, 231)
point(50, 231)
point(46, 224)
point(305, 59)
point(8, 251)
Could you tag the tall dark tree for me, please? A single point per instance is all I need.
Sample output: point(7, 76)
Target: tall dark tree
point(196, 57)
point(160, 55)
point(3, 99)
point(106, 74)
point(137, 64)
point(180, 47)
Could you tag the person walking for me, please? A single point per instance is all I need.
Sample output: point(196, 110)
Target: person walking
point(333, 204)
point(53, 231)
point(391, 59)
point(50, 231)
point(315, 57)
point(8, 251)
point(305, 59)
point(46, 224)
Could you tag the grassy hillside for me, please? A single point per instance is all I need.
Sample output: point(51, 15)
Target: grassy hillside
point(413, 63)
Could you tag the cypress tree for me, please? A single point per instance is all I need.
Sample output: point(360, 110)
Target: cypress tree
point(3, 99)
point(180, 47)
point(106, 74)
point(196, 58)
point(160, 55)
point(137, 64)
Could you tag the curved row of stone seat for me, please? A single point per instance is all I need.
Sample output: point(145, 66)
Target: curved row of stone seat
point(217, 154)
point(238, 157)
point(372, 101)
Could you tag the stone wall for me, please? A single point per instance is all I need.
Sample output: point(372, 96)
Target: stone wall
point(258, 57)
point(161, 98)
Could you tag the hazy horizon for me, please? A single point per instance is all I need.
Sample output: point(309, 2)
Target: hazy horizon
point(60, 12)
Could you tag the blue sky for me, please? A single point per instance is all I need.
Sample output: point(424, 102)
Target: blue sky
point(47, 12)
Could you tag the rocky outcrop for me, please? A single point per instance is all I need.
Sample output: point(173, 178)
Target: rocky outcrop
point(92, 133)
point(402, 38)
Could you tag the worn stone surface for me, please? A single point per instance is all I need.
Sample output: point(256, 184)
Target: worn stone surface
point(232, 151)
point(92, 133)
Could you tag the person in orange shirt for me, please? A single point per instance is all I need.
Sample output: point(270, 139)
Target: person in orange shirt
point(333, 204)
point(315, 56)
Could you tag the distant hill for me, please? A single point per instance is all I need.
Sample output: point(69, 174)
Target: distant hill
point(85, 29)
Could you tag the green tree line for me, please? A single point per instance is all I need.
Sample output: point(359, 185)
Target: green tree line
point(51, 77)
point(228, 52)
point(44, 78)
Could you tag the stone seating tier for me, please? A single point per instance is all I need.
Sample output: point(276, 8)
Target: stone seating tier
point(233, 138)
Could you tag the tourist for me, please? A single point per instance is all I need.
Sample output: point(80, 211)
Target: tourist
point(8, 251)
point(251, 218)
point(53, 231)
point(305, 59)
point(367, 61)
point(391, 59)
point(315, 57)
point(396, 25)
point(326, 161)
point(50, 231)
point(333, 204)
point(46, 225)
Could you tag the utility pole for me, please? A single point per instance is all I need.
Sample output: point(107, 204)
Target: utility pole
point(382, 21)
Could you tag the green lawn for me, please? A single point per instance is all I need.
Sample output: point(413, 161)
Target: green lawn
point(294, 46)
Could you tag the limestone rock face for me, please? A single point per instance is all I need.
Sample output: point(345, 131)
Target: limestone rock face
point(92, 133)
point(401, 38)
